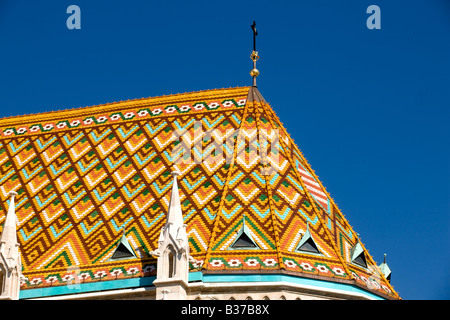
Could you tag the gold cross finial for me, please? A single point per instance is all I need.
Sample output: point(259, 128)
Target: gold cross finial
point(254, 56)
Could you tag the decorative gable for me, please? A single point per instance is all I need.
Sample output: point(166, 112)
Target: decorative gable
point(307, 243)
point(357, 256)
point(244, 240)
point(123, 250)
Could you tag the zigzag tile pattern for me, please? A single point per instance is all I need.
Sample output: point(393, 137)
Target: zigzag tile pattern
point(334, 228)
point(88, 174)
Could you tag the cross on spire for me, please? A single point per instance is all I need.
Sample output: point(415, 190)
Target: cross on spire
point(254, 56)
point(255, 33)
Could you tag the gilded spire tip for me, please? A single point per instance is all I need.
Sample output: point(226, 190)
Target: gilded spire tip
point(254, 56)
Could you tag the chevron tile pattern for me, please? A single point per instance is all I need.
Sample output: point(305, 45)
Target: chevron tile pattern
point(84, 175)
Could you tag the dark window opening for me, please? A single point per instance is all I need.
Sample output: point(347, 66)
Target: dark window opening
point(360, 260)
point(171, 265)
point(122, 252)
point(1, 282)
point(309, 246)
point(244, 242)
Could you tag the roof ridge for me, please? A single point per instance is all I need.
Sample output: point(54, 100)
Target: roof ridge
point(224, 191)
point(309, 168)
point(305, 161)
point(268, 188)
point(114, 103)
point(333, 245)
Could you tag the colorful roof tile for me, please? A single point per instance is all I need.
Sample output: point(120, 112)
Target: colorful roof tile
point(83, 176)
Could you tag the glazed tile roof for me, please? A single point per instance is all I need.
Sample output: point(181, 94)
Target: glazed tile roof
point(83, 175)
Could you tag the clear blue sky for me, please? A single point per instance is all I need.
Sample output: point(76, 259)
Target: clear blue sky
point(368, 108)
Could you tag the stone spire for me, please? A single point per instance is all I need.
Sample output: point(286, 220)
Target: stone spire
point(9, 236)
point(10, 263)
point(173, 251)
point(174, 215)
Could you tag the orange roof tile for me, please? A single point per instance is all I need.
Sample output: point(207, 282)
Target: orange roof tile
point(84, 174)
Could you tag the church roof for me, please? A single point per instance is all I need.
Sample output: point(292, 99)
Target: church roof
point(85, 175)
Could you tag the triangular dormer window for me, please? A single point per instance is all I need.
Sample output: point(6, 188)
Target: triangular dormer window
point(357, 256)
point(244, 240)
point(307, 243)
point(309, 246)
point(361, 260)
point(123, 250)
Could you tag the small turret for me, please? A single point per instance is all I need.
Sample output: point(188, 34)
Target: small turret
point(10, 263)
point(385, 269)
point(173, 251)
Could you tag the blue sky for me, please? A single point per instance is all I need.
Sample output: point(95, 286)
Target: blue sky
point(368, 108)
